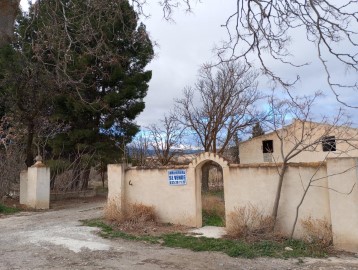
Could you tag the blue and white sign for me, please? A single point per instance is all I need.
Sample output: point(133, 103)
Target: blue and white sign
point(177, 177)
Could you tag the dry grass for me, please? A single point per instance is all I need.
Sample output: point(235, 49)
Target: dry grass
point(250, 223)
point(135, 215)
point(317, 232)
point(139, 219)
point(213, 204)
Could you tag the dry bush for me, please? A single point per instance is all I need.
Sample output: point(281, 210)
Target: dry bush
point(135, 215)
point(112, 213)
point(249, 222)
point(317, 232)
point(213, 205)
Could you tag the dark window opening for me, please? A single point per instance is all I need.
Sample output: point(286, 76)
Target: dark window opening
point(329, 144)
point(267, 146)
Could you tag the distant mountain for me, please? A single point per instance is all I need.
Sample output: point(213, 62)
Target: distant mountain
point(151, 152)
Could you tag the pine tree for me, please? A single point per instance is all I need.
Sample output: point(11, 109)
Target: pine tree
point(95, 53)
point(257, 130)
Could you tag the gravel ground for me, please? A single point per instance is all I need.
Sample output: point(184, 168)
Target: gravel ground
point(56, 240)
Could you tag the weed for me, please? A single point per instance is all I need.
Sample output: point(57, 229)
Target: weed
point(317, 232)
point(213, 209)
point(112, 213)
point(136, 214)
point(8, 210)
point(212, 219)
point(233, 248)
point(249, 222)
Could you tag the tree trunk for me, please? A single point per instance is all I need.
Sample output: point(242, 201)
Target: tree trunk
point(278, 192)
point(76, 175)
point(103, 172)
point(8, 12)
point(85, 178)
point(30, 137)
point(205, 176)
point(52, 181)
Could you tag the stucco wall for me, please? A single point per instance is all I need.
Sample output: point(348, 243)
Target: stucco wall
point(256, 185)
point(343, 194)
point(174, 204)
point(251, 184)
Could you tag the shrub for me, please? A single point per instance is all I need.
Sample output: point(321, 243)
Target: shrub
point(112, 213)
point(213, 204)
point(318, 232)
point(249, 222)
point(134, 215)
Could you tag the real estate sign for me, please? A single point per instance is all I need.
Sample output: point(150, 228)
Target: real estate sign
point(177, 177)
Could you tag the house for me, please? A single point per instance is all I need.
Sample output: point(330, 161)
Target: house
point(304, 140)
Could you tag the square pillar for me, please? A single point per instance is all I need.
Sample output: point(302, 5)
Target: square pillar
point(116, 185)
point(38, 186)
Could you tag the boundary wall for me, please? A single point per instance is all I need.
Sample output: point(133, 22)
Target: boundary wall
point(333, 195)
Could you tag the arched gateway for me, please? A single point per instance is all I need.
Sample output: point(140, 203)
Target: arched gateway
point(197, 165)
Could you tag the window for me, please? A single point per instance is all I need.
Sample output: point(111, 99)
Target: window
point(329, 144)
point(267, 146)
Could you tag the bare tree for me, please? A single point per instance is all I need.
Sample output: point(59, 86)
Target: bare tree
point(220, 105)
point(166, 139)
point(265, 29)
point(138, 150)
point(269, 26)
point(260, 29)
point(46, 130)
point(305, 135)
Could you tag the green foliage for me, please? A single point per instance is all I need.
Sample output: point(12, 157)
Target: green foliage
point(81, 64)
point(257, 130)
point(212, 219)
point(8, 210)
point(234, 248)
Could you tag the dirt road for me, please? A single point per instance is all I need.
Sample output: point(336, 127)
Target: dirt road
point(56, 240)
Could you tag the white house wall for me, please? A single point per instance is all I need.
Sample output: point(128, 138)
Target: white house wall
point(251, 150)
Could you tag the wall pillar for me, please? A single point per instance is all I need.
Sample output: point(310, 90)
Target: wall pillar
point(38, 186)
point(116, 185)
point(23, 187)
point(343, 179)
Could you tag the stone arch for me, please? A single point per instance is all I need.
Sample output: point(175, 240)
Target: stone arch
point(208, 156)
point(197, 165)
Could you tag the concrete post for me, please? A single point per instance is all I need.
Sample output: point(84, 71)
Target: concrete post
point(38, 186)
point(23, 187)
point(116, 185)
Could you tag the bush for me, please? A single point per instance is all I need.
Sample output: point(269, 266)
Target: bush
point(318, 232)
point(249, 222)
point(134, 215)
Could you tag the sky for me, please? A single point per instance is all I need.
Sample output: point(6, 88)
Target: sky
point(187, 43)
